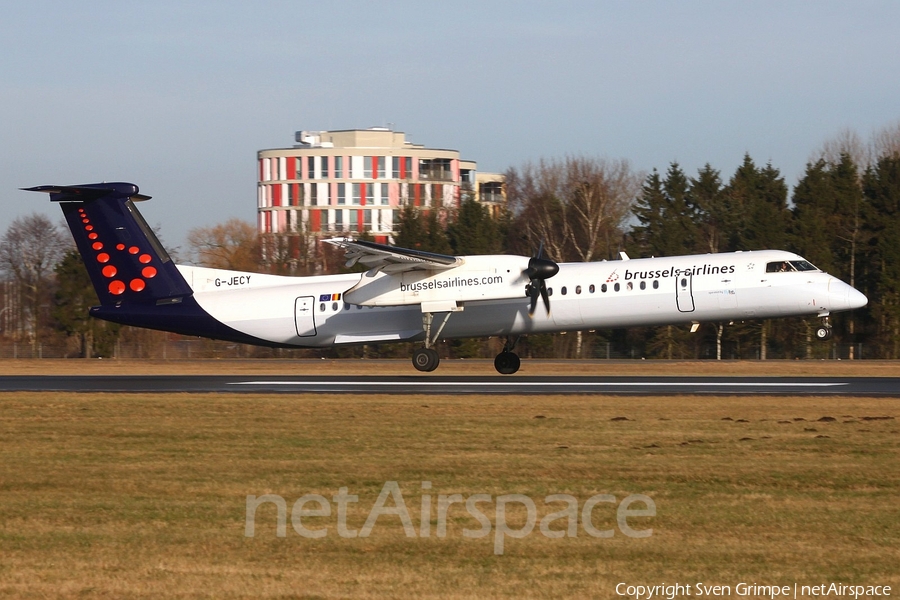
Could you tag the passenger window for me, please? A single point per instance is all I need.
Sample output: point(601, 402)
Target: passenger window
point(322, 307)
point(643, 285)
point(617, 287)
point(334, 306)
point(592, 289)
point(563, 290)
point(655, 284)
point(578, 289)
point(603, 288)
point(630, 286)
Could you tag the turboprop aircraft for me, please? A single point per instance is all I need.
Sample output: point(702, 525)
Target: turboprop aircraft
point(408, 295)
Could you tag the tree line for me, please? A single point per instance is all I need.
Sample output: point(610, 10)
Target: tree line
point(843, 215)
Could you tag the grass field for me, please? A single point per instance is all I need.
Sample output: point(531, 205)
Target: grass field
point(145, 496)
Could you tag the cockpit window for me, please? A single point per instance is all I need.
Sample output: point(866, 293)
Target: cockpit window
point(789, 266)
point(781, 266)
point(803, 265)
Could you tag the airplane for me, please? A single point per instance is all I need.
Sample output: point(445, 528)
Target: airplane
point(413, 296)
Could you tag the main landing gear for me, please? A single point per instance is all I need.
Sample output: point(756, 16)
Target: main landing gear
point(507, 362)
point(427, 359)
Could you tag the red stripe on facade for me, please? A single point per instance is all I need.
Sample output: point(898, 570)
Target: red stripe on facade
point(276, 195)
point(291, 167)
point(402, 167)
point(315, 220)
point(362, 194)
point(374, 167)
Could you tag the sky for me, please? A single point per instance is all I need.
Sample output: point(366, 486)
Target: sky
point(178, 97)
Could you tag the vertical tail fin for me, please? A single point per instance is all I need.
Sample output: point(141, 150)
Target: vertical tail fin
point(123, 257)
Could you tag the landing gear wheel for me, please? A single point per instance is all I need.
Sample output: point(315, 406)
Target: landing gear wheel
point(426, 359)
point(507, 363)
point(823, 333)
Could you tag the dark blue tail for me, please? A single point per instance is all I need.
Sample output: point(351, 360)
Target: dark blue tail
point(136, 281)
point(124, 259)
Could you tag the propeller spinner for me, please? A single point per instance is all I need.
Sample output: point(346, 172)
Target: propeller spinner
point(538, 271)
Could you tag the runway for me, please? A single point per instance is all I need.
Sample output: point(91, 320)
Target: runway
point(494, 385)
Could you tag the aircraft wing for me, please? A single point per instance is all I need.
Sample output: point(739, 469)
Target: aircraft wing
point(391, 259)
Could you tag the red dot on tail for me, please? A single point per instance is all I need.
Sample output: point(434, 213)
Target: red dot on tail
point(97, 246)
point(88, 227)
point(109, 271)
point(93, 236)
point(120, 246)
point(144, 258)
point(116, 287)
point(137, 285)
point(149, 272)
point(134, 250)
point(103, 257)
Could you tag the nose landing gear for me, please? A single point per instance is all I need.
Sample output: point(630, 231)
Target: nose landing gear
point(823, 331)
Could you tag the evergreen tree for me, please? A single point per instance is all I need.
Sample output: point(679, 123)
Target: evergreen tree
point(474, 231)
point(74, 296)
point(881, 186)
point(709, 201)
point(411, 232)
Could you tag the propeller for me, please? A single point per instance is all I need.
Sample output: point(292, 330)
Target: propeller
point(538, 271)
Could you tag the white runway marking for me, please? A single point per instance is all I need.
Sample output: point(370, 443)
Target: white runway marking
point(542, 383)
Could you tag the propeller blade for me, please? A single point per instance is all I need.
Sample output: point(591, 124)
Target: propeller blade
point(538, 271)
point(533, 294)
point(545, 296)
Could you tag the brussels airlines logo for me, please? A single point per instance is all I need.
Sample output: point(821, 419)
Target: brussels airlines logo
point(673, 272)
point(440, 284)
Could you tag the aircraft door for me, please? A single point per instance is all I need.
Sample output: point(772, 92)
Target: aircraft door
point(304, 317)
point(684, 295)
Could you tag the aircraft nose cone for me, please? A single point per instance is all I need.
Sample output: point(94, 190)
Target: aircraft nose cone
point(855, 298)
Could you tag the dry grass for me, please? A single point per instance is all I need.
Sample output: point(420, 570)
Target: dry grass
point(143, 496)
point(822, 368)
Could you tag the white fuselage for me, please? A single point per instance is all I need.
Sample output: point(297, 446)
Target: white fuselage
point(486, 297)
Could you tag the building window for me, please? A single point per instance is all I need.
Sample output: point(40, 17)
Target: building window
point(395, 167)
point(342, 193)
point(338, 167)
point(298, 165)
point(311, 167)
point(356, 190)
point(382, 169)
point(490, 191)
point(385, 197)
point(338, 220)
point(367, 220)
point(354, 220)
point(323, 161)
point(313, 194)
point(367, 167)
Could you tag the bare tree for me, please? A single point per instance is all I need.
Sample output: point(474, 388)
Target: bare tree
point(846, 142)
point(30, 249)
point(232, 245)
point(886, 142)
point(575, 207)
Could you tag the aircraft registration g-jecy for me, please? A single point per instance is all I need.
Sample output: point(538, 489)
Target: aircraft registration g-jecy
point(408, 295)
